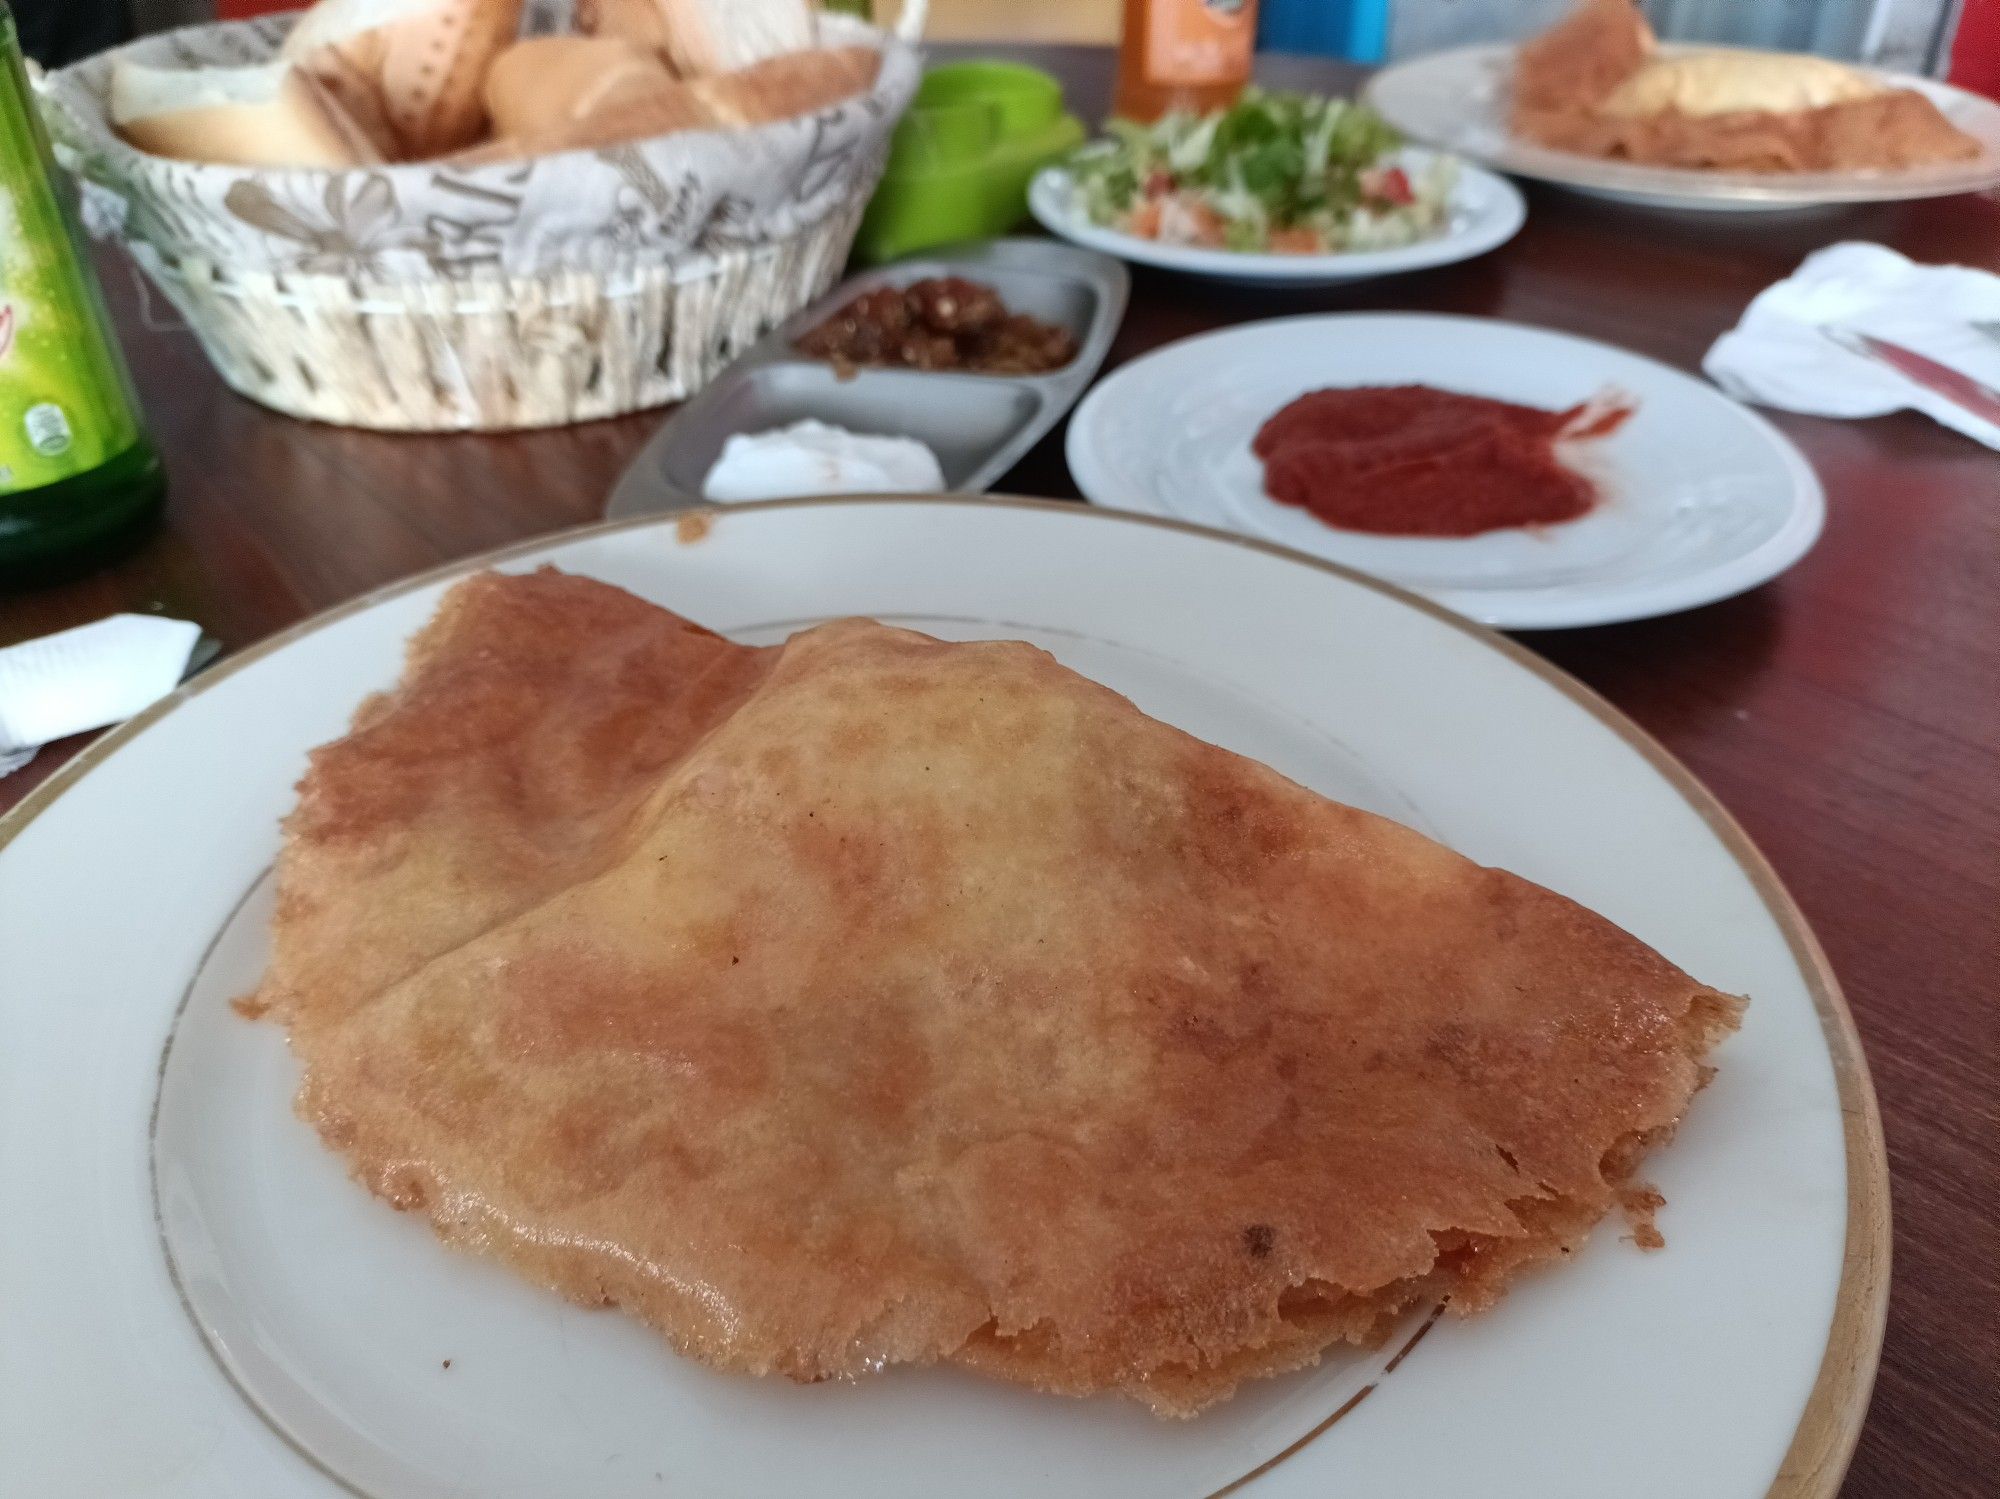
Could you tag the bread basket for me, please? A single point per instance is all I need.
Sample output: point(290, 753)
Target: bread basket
point(438, 297)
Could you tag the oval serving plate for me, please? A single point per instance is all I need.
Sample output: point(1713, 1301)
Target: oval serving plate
point(1681, 522)
point(979, 426)
point(217, 1311)
point(1457, 100)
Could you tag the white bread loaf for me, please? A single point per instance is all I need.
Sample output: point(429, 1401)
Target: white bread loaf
point(640, 22)
point(780, 88)
point(703, 37)
point(552, 94)
point(552, 87)
point(411, 70)
point(269, 115)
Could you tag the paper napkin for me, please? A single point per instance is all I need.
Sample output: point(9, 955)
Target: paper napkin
point(86, 678)
point(1778, 355)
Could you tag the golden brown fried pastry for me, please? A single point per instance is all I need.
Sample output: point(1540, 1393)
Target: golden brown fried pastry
point(1894, 129)
point(1577, 63)
point(1593, 84)
point(873, 999)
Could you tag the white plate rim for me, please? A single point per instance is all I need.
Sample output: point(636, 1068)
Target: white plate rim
point(1048, 200)
point(1829, 1426)
point(1683, 187)
point(1799, 534)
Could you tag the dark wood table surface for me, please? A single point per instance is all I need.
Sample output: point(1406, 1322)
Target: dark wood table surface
point(1848, 713)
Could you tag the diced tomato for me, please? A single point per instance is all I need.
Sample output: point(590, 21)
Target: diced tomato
point(1144, 220)
point(1388, 185)
point(1295, 242)
point(1159, 183)
point(1206, 223)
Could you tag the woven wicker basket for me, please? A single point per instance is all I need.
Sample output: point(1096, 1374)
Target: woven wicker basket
point(311, 296)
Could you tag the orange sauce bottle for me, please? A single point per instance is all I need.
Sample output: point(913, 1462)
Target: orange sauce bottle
point(1184, 54)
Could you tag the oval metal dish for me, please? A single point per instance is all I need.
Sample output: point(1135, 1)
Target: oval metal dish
point(978, 425)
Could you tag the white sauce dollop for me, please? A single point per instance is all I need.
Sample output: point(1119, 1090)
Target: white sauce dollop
point(811, 457)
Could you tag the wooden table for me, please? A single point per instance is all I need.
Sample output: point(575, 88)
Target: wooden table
point(1848, 713)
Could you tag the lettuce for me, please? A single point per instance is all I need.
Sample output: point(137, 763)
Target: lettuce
point(1271, 161)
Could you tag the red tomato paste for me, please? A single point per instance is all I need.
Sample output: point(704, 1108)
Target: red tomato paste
point(1411, 460)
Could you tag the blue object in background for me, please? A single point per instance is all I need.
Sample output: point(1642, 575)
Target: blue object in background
point(1911, 34)
point(1357, 30)
point(1896, 33)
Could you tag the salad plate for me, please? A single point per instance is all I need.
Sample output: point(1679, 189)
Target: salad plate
point(1699, 498)
point(1457, 101)
point(213, 1310)
point(1279, 188)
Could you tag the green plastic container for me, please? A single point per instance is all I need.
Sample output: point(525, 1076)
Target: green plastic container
point(960, 161)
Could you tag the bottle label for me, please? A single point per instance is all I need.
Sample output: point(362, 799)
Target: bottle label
point(64, 404)
point(1200, 41)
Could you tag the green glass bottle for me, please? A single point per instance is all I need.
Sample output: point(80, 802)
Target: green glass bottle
point(79, 481)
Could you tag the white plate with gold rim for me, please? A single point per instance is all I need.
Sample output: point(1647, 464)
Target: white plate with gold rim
point(201, 1304)
point(1458, 101)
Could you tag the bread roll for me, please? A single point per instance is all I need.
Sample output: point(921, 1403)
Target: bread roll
point(271, 115)
point(416, 66)
point(783, 87)
point(569, 93)
point(546, 86)
point(667, 112)
point(640, 22)
point(703, 37)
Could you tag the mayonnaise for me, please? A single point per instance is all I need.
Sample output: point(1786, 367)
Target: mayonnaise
point(812, 457)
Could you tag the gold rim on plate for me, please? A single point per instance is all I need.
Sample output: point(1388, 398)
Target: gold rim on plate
point(1830, 1425)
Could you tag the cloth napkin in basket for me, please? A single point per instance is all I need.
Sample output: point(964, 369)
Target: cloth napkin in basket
point(86, 678)
point(1778, 354)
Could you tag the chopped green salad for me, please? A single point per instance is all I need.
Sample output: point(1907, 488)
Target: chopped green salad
point(1275, 172)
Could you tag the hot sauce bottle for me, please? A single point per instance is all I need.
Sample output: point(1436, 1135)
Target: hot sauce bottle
point(1191, 55)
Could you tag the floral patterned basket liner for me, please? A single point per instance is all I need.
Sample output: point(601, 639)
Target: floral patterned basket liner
point(492, 252)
